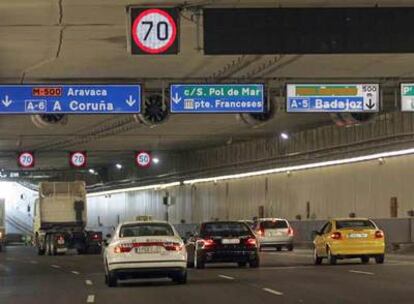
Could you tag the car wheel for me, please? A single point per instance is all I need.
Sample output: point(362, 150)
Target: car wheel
point(52, 247)
point(279, 248)
point(316, 259)
point(198, 262)
point(290, 247)
point(364, 260)
point(48, 251)
point(331, 258)
point(242, 264)
point(112, 279)
point(180, 277)
point(379, 259)
point(254, 263)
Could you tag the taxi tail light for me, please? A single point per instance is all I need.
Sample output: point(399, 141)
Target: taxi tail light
point(173, 246)
point(123, 248)
point(379, 234)
point(336, 236)
point(251, 242)
point(290, 231)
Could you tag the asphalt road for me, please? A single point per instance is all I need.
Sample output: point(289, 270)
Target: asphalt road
point(283, 278)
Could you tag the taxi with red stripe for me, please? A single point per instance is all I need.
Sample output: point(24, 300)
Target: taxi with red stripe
point(145, 249)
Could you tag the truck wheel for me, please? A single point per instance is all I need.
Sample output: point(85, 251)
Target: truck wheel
point(379, 259)
point(112, 279)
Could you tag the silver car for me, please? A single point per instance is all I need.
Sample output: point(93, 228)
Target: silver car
point(274, 232)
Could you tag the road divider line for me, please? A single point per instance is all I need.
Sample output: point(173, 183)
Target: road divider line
point(272, 291)
point(361, 272)
point(34, 262)
point(225, 277)
point(90, 299)
point(88, 282)
point(75, 272)
point(55, 266)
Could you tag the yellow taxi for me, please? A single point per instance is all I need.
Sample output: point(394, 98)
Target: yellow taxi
point(345, 238)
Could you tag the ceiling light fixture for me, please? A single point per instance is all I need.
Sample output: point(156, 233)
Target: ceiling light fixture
point(284, 135)
point(155, 160)
point(118, 166)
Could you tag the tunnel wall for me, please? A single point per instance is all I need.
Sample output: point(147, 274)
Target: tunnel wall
point(364, 188)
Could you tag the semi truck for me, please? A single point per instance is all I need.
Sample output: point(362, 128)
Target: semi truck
point(60, 216)
point(2, 224)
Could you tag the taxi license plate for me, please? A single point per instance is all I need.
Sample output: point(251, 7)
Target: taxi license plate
point(148, 249)
point(231, 241)
point(358, 235)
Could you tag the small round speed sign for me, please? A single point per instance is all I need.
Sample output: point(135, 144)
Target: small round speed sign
point(26, 160)
point(154, 31)
point(143, 159)
point(78, 159)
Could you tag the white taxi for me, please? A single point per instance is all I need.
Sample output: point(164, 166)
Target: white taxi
point(145, 249)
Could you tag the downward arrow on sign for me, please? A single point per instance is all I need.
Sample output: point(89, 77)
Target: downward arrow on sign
point(6, 101)
point(176, 98)
point(370, 105)
point(130, 101)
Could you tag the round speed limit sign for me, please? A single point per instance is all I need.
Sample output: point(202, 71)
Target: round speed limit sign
point(26, 160)
point(143, 159)
point(154, 31)
point(77, 159)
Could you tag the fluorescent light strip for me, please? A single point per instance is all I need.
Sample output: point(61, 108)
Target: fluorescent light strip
point(149, 187)
point(303, 167)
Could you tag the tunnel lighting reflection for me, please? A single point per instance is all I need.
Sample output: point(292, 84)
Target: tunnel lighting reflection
point(118, 166)
point(155, 160)
point(149, 187)
point(344, 161)
point(284, 135)
point(91, 171)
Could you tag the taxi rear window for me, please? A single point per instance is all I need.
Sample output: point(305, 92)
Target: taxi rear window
point(355, 224)
point(146, 229)
point(273, 224)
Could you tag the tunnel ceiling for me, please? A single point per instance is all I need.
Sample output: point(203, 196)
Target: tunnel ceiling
point(85, 41)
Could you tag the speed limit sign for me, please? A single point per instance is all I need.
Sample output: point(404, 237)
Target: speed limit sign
point(77, 159)
point(154, 31)
point(143, 159)
point(26, 160)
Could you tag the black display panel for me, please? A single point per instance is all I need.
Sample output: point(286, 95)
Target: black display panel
point(308, 30)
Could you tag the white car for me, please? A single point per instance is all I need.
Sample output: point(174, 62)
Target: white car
point(274, 232)
point(145, 249)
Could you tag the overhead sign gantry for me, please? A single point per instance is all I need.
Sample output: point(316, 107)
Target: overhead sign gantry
point(332, 97)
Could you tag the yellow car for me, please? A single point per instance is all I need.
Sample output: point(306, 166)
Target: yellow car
point(349, 238)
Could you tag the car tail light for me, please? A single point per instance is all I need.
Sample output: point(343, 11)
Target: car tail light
point(96, 236)
point(251, 242)
point(290, 231)
point(173, 246)
point(206, 243)
point(60, 239)
point(336, 236)
point(379, 234)
point(260, 232)
point(123, 248)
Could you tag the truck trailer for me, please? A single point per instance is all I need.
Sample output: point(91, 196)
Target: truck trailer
point(60, 216)
point(2, 224)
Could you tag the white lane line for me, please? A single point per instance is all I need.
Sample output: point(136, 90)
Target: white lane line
point(272, 291)
point(88, 282)
point(361, 272)
point(225, 277)
point(75, 272)
point(34, 262)
point(90, 299)
point(55, 266)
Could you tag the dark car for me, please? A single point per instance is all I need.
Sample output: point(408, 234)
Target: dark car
point(223, 242)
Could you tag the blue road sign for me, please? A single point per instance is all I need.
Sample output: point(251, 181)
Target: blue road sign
point(217, 98)
point(332, 98)
point(70, 99)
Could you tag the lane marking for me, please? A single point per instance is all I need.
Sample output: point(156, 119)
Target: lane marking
point(90, 299)
point(55, 266)
point(88, 282)
point(34, 262)
point(225, 277)
point(75, 272)
point(361, 272)
point(272, 291)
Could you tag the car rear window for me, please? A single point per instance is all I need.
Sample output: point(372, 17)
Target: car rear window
point(354, 224)
point(225, 229)
point(274, 224)
point(146, 229)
